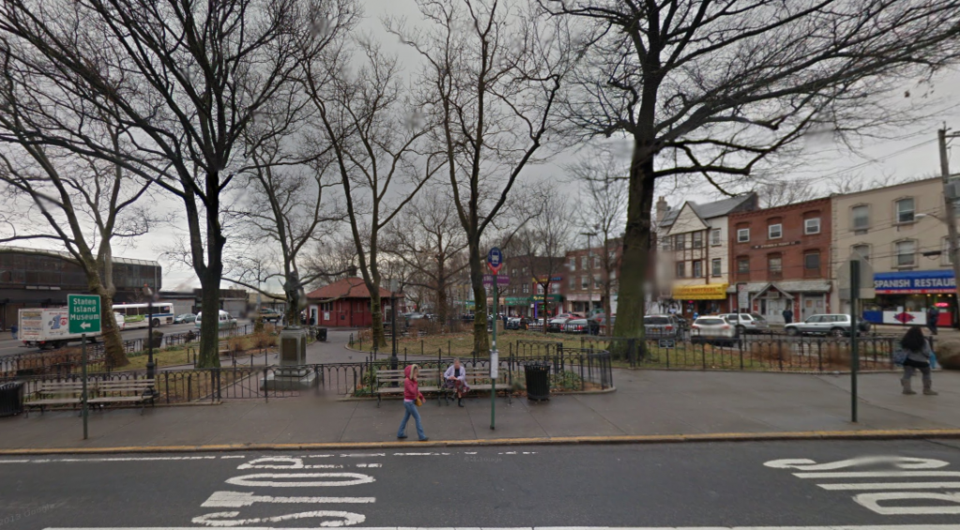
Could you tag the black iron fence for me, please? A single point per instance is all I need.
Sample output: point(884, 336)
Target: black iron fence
point(570, 370)
point(767, 353)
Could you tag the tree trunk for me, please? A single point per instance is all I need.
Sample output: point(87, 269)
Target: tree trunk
point(114, 354)
point(636, 246)
point(209, 356)
point(376, 315)
point(481, 341)
point(442, 313)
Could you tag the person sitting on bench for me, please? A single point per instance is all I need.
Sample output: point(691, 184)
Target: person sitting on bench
point(456, 378)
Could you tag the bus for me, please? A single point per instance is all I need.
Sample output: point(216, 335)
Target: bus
point(136, 315)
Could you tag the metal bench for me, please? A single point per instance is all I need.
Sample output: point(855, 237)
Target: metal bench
point(137, 391)
point(429, 380)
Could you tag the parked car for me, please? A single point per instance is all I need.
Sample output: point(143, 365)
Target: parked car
point(747, 322)
point(599, 325)
point(185, 318)
point(269, 315)
point(667, 326)
point(556, 323)
point(518, 322)
point(225, 320)
point(576, 325)
point(713, 330)
point(837, 325)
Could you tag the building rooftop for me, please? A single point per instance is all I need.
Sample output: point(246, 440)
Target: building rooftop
point(711, 209)
point(66, 255)
point(345, 288)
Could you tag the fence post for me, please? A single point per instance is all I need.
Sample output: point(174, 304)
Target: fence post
point(631, 352)
point(166, 382)
point(266, 389)
point(780, 354)
point(741, 355)
point(219, 386)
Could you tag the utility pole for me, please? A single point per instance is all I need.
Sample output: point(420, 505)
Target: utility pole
point(589, 271)
point(950, 214)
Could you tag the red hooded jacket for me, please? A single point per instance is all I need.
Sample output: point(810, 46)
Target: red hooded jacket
point(411, 390)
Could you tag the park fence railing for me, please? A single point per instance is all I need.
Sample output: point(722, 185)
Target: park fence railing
point(763, 353)
point(569, 371)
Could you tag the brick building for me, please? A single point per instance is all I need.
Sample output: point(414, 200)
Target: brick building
point(781, 256)
point(585, 277)
point(346, 303)
point(524, 295)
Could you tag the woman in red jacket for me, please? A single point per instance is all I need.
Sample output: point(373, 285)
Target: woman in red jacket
point(411, 393)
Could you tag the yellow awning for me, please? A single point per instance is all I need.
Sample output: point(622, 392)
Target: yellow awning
point(715, 291)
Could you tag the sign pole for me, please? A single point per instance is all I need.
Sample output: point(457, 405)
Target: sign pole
point(494, 358)
point(854, 331)
point(83, 374)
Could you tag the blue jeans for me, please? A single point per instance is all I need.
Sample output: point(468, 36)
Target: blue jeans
point(411, 410)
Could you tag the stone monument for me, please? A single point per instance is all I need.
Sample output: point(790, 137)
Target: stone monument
point(292, 374)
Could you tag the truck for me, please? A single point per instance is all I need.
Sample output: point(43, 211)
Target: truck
point(48, 328)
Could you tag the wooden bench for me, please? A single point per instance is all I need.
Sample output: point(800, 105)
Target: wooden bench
point(478, 379)
point(137, 391)
point(53, 393)
point(429, 380)
point(56, 393)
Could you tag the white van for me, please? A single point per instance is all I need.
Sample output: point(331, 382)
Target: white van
point(226, 321)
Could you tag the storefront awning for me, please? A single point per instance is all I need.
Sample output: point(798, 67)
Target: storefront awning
point(717, 291)
point(788, 286)
point(915, 282)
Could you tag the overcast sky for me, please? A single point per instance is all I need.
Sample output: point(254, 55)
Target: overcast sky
point(912, 153)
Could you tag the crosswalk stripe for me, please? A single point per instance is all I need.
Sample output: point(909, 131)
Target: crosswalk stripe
point(890, 486)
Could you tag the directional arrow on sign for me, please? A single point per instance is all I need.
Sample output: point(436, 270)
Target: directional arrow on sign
point(85, 325)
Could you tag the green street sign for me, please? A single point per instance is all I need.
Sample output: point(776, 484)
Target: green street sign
point(83, 313)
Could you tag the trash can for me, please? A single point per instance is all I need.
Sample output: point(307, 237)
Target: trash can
point(538, 380)
point(11, 399)
point(322, 334)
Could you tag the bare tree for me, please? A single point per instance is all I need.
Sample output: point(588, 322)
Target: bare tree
point(84, 203)
point(545, 239)
point(377, 141)
point(428, 238)
point(183, 80)
point(784, 192)
point(718, 88)
point(603, 210)
point(491, 77)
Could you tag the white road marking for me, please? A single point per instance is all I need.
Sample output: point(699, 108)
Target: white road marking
point(233, 456)
point(363, 456)
point(238, 499)
point(901, 462)
point(107, 459)
point(872, 501)
point(470, 453)
point(874, 474)
point(340, 518)
point(844, 527)
point(350, 479)
point(14, 461)
point(891, 486)
point(417, 454)
point(319, 456)
point(369, 465)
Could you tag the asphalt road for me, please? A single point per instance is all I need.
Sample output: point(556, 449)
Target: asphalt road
point(771, 484)
point(8, 346)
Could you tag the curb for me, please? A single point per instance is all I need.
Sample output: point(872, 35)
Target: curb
point(569, 440)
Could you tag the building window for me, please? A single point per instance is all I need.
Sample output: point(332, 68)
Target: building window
point(698, 269)
point(596, 281)
point(573, 264)
point(555, 288)
point(596, 262)
point(715, 266)
point(743, 265)
point(860, 217)
point(811, 261)
point(743, 235)
point(573, 282)
point(906, 210)
point(679, 242)
point(811, 226)
point(775, 266)
point(715, 237)
point(526, 288)
point(680, 269)
point(906, 253)
point(775, 231)
point(860, 251)
point(666, 243)
point(583, 262)
point(697, 239)
point(584, 282)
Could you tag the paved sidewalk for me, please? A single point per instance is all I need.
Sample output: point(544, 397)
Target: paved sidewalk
point(645, 403)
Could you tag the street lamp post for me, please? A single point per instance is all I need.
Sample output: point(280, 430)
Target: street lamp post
point(589, 270)
point(394, 361)
point(151, 367)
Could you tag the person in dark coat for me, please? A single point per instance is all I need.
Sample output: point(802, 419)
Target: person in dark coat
point(933, 314)
point(787, 315)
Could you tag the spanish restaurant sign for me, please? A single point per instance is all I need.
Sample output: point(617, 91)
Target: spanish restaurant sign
point(915, 282)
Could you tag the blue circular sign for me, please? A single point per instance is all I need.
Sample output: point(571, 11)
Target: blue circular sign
point(495, 259)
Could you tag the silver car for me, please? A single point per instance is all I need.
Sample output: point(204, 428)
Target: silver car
point(713, 330)
point(666, 326)
point(837, 325)
point(747, 322)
